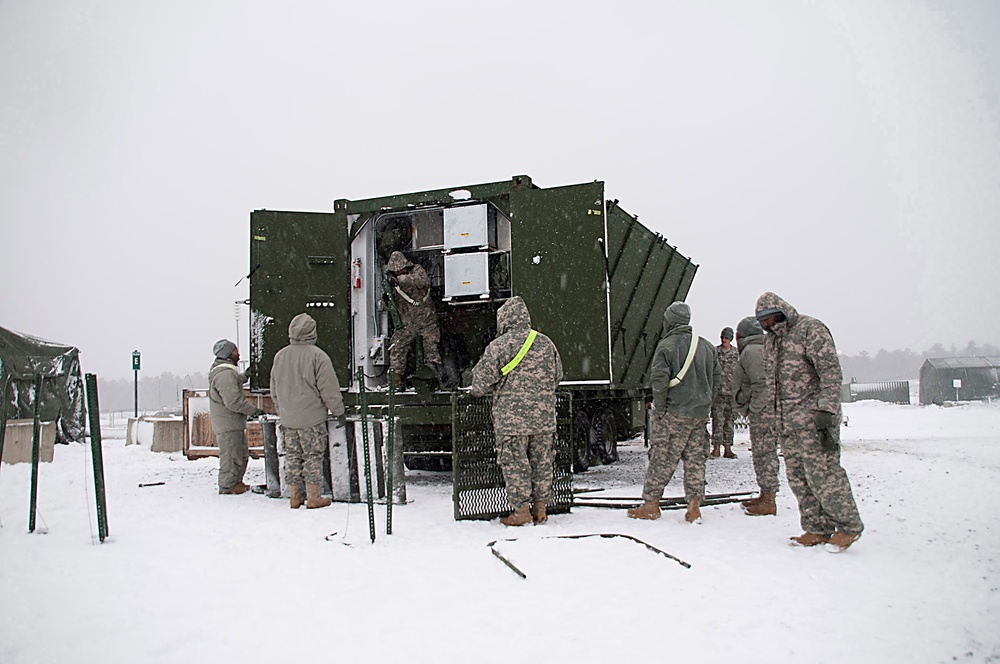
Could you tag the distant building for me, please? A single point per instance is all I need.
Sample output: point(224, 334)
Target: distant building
point(959, 379)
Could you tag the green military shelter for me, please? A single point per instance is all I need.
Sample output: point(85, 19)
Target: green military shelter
point(63, 401)
point(959, 379)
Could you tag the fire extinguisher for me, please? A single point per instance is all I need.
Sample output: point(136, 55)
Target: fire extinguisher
point(357, 273)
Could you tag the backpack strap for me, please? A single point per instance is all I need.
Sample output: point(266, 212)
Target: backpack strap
point(507, 368)
point(676, 380)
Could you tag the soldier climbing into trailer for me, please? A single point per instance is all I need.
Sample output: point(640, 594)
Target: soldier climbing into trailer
point(522, 369)
point(411, 292)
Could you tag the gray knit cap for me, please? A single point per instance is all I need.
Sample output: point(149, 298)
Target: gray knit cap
point(676, 314)
point(727, 332)
point(223, 348)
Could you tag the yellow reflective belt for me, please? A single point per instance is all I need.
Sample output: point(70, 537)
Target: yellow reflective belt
point(507, 368)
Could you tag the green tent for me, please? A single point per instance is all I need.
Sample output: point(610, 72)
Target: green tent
point(63, 401)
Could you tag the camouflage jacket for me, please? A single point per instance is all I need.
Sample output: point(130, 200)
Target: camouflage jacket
point(694, 395)
point(749, 378)
point(727, 362)
point(416, 286)
point(226, 404)
point(524, 401)
point(802, 367)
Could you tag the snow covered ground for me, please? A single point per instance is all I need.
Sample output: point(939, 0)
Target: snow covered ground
point(190, 576)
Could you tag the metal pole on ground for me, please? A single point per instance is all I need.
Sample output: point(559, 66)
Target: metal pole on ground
point(98, 455)
point(3, 415)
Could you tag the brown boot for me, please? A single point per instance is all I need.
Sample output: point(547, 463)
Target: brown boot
point(397, 381)
point(750, 502)
point(518, 517)
point(538, 513)
point(295, 502)
point(693, 512)
point(715, 452)
point(234, 490)
point(809, 539)
point(840, 540)
point(765, 507)
point(650, 509)
point(729, 453)
point(313, 499)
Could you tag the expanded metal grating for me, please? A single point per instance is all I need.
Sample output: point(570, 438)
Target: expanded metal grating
point(478, 487)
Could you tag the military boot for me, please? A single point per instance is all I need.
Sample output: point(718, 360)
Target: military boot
point(729, 454)
point(397, 382)
point(809, 539)
point(650, 509)
point(518, 517)
point(313, 499)
point(840, 540)
point(750, 502)
point(538, 513)
point(295, 502)
point(693, 513)
point(715, 452)
point(765, 507)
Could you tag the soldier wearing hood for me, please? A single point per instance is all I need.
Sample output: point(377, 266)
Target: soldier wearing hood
point(229, 410)
point(750, 383)
point(521, 368)
point(804, 379)
point(304, 387)
point(684, 376)
point(412, 294)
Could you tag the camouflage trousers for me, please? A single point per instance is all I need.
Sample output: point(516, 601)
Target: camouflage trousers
point(233, 458)
point(723, 420)
point(304, 450)
point(424, 325)
point(526, 463)
point(820, 485)
point(675, 438)
point(764, 448)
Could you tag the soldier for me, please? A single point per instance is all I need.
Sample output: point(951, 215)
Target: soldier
point(229, 410)
point(803, 378)
point(522, 369)
point(722, 408)
point(684, 376)
point(750, 383)
point(304, 387)
point(412, 292)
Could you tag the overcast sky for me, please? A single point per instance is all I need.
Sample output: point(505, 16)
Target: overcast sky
point(845, 155)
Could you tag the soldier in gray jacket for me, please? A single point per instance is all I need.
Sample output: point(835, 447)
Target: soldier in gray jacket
point(804, 377)
point(684, 376)
point(229, 411)
point(750, 382)
point(522, 369)
point(304, 387)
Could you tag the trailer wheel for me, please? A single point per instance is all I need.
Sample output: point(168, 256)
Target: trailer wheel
point(581, 442)
point(605, 437)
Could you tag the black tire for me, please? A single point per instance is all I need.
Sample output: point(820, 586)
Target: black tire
point(605, 436)
point(581, 442)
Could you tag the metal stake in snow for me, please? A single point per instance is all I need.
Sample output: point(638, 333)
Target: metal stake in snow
point(390, 454)
point(98, 455)
point(35, 453)
point(3, 413)
point(363, 399)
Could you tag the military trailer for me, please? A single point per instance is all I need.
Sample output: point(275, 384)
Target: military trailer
point(595, 280)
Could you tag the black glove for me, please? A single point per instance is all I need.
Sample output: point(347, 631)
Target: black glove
point(828, 429)
point(257, 414)
point(341, 421)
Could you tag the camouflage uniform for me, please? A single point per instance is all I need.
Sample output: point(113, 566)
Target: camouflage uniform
point(750, 383)
point(723, 418)
point(416, 309)
point(228, 410)
point(680, 420)
point(304, 387)
point(524, 404)
point(803, 377)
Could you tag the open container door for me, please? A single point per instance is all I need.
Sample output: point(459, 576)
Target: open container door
point(558, 266)
point(299, 264)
